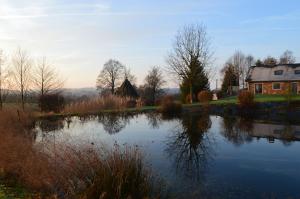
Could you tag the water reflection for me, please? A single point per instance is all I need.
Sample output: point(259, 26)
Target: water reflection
point(190, 146)
point(199, 163)
point(154, 119)
point(53, 124)
point(241, 130)
point(114, 123)
point(237, 130)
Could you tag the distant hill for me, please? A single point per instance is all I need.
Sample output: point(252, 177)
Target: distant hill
point(92, 92)
point(172, 91)
point(80, 92)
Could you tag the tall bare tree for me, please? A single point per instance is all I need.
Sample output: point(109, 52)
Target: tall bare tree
point(154, 82)
point(46, 78)
point(287, 58)
point(191, 55)
point(128, 75)
point(110, 76)
point(22, 73)
point(5, 81)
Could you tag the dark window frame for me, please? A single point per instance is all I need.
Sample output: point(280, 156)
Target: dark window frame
point(297, 72)
point(276, 83)
point(278, 72)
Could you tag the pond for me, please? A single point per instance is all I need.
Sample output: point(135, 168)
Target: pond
point(197, 155)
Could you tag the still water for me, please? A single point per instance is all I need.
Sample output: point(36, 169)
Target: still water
point(197, 155)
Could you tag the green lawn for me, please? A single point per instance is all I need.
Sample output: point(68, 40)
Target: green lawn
point(258, 98)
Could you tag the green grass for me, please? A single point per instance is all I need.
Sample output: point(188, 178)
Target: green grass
point(12, 193)
point(258, 98)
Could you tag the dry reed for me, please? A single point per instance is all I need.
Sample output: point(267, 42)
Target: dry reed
point(98, 104)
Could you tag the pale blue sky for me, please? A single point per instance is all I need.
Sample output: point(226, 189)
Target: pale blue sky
point(79, 36)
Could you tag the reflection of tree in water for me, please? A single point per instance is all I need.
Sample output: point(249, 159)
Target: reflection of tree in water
point(115, 122)
point(191, 146)
point(237, 130)
point(154, 119)
point(54, 124)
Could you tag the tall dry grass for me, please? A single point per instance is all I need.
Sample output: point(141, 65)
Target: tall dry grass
point(111, 102)
point(62, 171)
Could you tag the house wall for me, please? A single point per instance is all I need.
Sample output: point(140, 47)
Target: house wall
point(267, 87)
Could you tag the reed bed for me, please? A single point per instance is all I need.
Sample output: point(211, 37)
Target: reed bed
point(98, 104)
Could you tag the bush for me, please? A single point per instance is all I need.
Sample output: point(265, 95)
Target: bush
point(204, 96)
point(246, 99)
point(169, 106)
point(51, 102)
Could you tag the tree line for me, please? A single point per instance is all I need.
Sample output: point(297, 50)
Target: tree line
point(20, 74)
point(190, 62)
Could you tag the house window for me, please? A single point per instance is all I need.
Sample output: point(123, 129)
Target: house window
point(276, 86)
point(258, 88)
point(297, 72)
point(278, 72)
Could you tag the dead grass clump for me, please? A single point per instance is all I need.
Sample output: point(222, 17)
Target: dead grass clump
point(107, 174)
point(97, 104)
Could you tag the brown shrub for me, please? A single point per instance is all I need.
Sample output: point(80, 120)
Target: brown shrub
point(169, 106)
point(204, 96)
point(188, 99)
point(246, 99)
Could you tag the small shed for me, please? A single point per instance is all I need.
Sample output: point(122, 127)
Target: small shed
point(127, 90)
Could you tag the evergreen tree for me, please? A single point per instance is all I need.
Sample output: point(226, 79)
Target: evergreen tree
point(197, 82)
point(231, 78)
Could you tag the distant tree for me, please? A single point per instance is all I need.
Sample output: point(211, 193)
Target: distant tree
point(231, 78)
point(5, 81)
point(241, 64)
point(46, 78)
point(128, 75)
point(22, 73)
point(190, 57)
point(111, 76)
point(270, 61)
point(153, 83)
point(287, 58)
point(258, 62)
point(250, 61)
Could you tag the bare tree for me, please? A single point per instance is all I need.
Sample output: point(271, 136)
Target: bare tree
point(110, 76)
point(191, 55)
point(128, 75)
point(287, 58)
point(154, 82)
point(239, 62)
point(22, 73)
point(5, 83)
point(270, 61)
point(250, 61)
point(46, 78)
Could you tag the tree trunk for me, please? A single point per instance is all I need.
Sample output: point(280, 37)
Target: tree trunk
point(1, 101)
point(191, 93)
point(22, 98)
